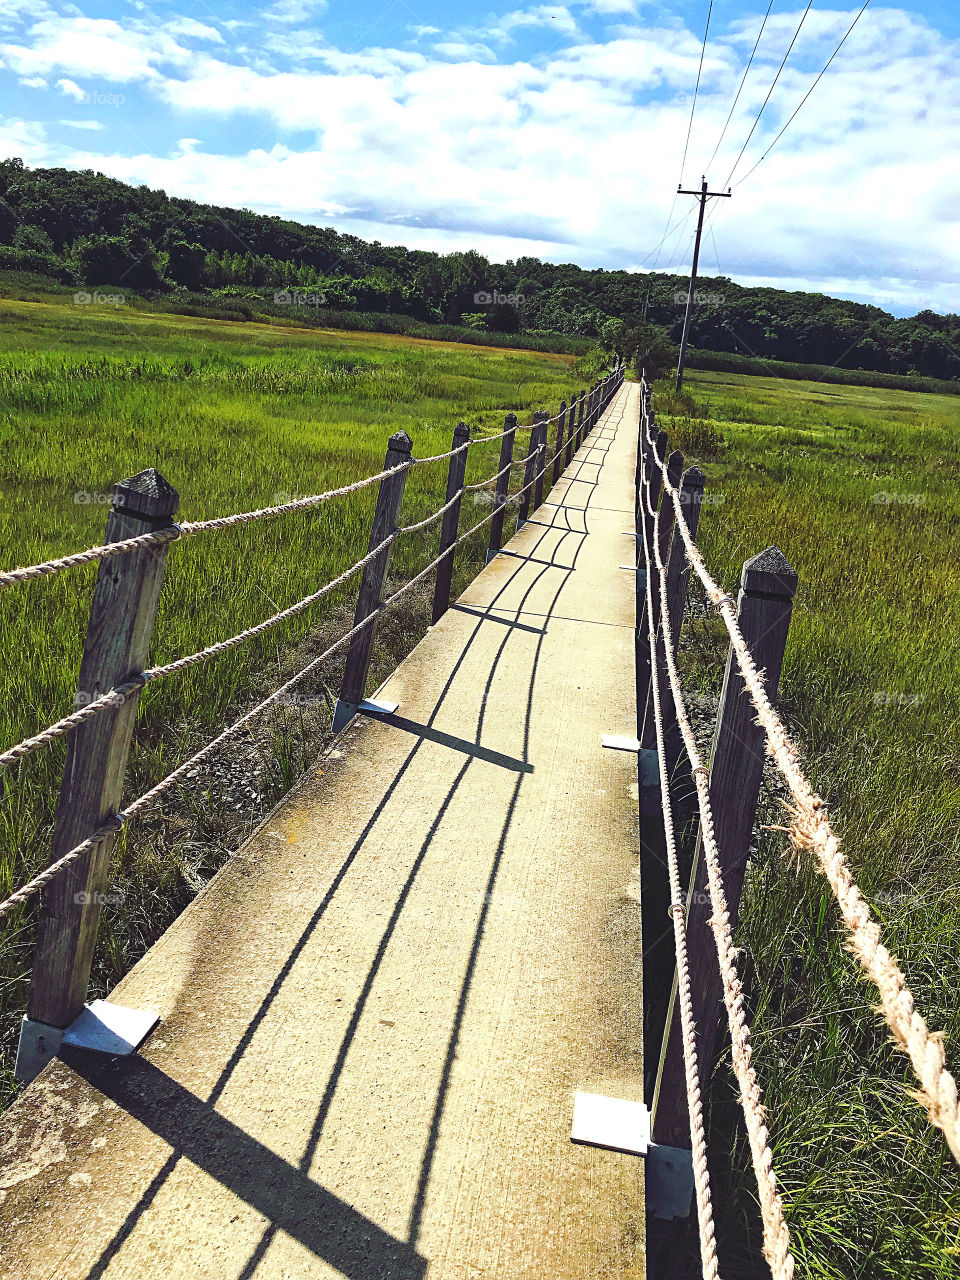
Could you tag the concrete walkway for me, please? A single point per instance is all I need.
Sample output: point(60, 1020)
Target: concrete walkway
point(375, 1018)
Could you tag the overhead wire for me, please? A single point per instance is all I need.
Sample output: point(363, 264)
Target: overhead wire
point(803, 100)
point(770, 91)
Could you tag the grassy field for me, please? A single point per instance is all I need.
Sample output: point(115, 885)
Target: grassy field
point(235, 417)
point(860, 488)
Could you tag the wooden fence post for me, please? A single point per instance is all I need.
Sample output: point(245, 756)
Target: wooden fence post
point(643, 641)
point(451, 522)
point(768, 586)
point(576, 412)
point(692, 485)
point(541, 465)
point(389, 496)
point(529, 472)
point(119, 631)
point(558, 450)
point(502, 491)
point(648, 733)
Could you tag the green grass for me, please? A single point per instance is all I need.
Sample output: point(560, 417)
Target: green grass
point(860, 488)
point(233, 416)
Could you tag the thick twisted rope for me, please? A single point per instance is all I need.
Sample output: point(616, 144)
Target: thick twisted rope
point(120, 820)
point(116, 696)
point(188, 529)
point(776, 1234)
point(810, 829)
point(698, 1141)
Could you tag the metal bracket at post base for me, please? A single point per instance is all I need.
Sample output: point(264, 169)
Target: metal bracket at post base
point(370, 706)
point(617, 1124)
point(101, 1026)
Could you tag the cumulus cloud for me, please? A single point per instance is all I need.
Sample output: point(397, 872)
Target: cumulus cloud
point(573, 154)
point(72, 90)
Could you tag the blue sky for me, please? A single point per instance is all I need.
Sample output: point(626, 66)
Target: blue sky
point(554, 130)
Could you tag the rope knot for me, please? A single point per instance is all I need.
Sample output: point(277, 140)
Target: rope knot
point(674, 907)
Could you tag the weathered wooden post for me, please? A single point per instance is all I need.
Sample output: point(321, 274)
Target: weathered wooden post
point(529, 472)
point(692, 484)
point(389, 496)
point(582, 421)
point(558, 450)
point(591, 409)
point(451, 521)
point(502, 491)
point(665, 530)
point(768, 587)
point(119, 631)
point(643, 645)
point(573, 430)
point(541, 465)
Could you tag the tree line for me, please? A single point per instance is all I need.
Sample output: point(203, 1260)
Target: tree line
point(84, 228)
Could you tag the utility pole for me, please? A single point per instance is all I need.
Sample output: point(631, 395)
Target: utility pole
point(703, 195)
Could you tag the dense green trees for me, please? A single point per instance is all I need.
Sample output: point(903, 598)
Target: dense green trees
point(85, 227)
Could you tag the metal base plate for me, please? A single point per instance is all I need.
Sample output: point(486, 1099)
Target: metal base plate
point(668, 1185)
point(110, 1028)
point(620, 744)
point(612, 1123)
point(377, 706)
point(105, 1027)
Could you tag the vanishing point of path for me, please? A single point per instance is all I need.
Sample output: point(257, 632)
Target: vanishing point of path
point(375, 1018)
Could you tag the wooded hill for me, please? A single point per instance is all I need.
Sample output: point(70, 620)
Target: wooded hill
point(86, 229)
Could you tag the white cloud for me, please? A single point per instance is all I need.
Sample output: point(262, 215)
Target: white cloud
point(92, 126)
point(72, 90)
point(572, 156)
point(294, 10)
point(34, 82)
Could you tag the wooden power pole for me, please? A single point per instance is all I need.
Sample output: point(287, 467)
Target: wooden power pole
point(703, 195)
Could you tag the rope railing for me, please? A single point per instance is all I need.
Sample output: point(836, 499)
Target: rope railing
point(811, 829)
point(116, 696)
point(698, 1140)
point(188, 529)
point(775, 1231)
point(144, 802)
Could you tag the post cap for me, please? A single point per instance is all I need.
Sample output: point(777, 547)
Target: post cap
point(146, 494)
point(461, 431)
point(400, 442)
point(541, 416)
point(675, 464)
point(661, 445)
point(510, 420)
point(693, 478)
point(769, 573)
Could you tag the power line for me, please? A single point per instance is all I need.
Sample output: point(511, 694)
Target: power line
point(739, 90)
point(808, 93)
point(663, 239)
point(693, 105)
point(770, 91)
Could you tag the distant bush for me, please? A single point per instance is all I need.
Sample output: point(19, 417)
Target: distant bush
point(728, 362)
point(32, 260)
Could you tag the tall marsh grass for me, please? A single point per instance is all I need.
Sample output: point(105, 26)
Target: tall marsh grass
point(860, 488)
point(235, 417)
